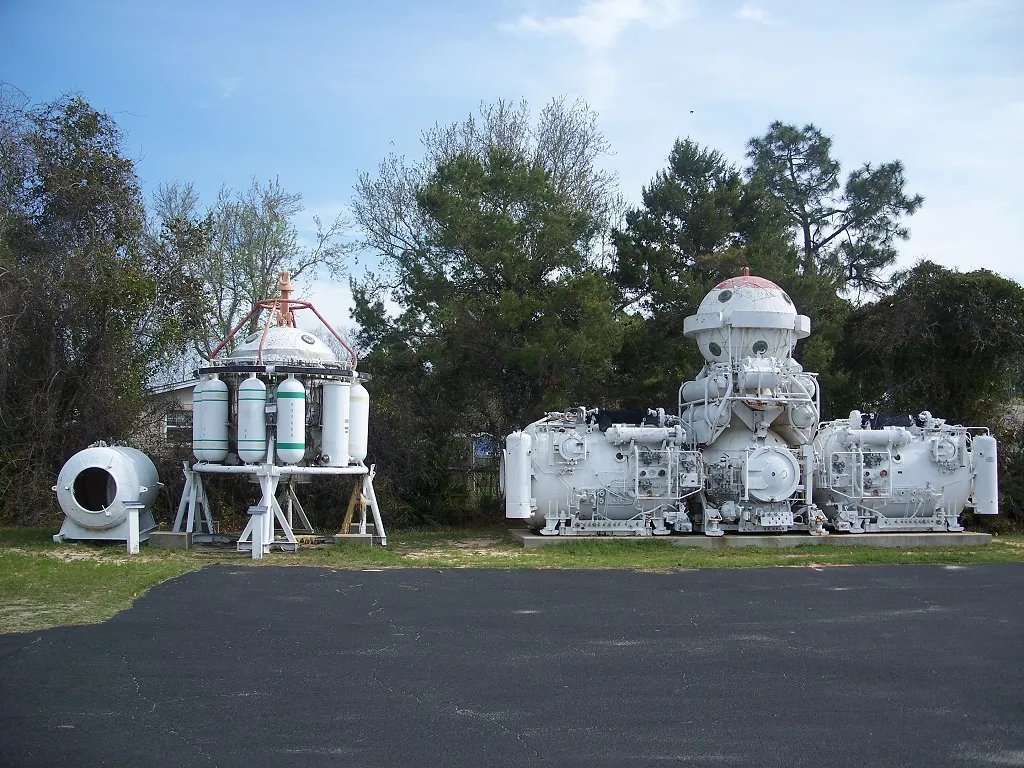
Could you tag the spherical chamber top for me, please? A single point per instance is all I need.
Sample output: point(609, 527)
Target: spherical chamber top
point(283, 345)
point(746, 316)
point(747, 293)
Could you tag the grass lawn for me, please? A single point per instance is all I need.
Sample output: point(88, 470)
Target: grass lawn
point(43, 584)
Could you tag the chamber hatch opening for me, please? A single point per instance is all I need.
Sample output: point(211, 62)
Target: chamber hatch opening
point(95, 489)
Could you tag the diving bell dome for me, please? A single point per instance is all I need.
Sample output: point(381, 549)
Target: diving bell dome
point(746, 316)
point(283, 345)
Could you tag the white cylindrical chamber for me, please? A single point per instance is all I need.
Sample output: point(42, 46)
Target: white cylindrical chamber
point(708, 388)
point(801, 415)
point(518, 471)
point(757, 380)
point(701, 421)
point(291, 421)
point(211, 442)
point(986, 480)
point(359, 422)
point(252, 420)
point(94, 483)
point(336, 423)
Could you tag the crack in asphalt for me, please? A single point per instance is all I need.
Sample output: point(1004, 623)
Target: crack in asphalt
point(162, 727)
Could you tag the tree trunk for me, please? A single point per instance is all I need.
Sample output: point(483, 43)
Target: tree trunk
point(810, 264)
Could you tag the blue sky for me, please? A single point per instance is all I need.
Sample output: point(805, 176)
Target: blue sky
point(315, 92)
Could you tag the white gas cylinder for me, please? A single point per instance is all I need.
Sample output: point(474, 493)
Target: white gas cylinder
point(291, 421)
point(335, 424)
point(359, 422)
point(252, 420)
point(518, 466)
point(210, 420)
point(198, 406)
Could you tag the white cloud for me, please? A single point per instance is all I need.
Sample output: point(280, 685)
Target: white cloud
point(327, 212)
point(333, 300)
point(598, 24)
point(754, 13)
point(594, 64)
point(226, 86)
point(947, 103)
point(953, 15)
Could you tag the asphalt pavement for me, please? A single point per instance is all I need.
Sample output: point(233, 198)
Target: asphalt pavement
point(296, 666)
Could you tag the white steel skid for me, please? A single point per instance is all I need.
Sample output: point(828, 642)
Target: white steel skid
point(278, 525)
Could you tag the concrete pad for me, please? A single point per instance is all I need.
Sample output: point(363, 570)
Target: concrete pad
point(170, 540)
point(531, 540)
point(214, 538)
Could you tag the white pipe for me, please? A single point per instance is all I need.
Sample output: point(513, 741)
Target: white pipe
point(808, 451)
point(356, 470)
point(894, 436)
point(803, 390)
point(255, 469)
point(619, 434)
point(721, 405)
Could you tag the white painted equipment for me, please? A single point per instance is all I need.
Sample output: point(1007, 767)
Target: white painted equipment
point(359, 415)
point(985, 494)
point(337, 404)
point(291, 421)
point(105, 492)
point(210, 420)
point(744, 452)
point(515, 476)
point(300, 414)
point(252, 420)
point(198, 414)
point(918, 477)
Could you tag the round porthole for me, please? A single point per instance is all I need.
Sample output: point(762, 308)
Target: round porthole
point(724, 296)
point(251, 338)
point(308, 338)
point(760, 347)
point(785, 296)
point(714, 349)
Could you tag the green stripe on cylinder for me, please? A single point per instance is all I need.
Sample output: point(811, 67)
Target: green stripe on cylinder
point(296, 395)
point(290, 446)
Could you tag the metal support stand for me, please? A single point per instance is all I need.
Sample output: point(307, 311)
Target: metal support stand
point(364, 496)
point(371, 497)
point(269, 476)
point(257, 515)
point(193, 498)
point(295, 506)
point(134, 510)
point(356, 498)
point(277, 525)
